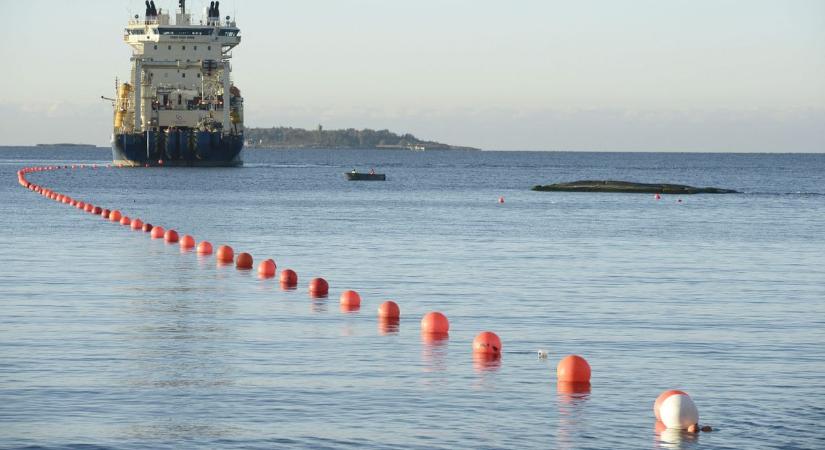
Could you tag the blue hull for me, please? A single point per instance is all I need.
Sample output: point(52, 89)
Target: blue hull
point(178, 148)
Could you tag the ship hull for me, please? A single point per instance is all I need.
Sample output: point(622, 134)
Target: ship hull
point(178, 148)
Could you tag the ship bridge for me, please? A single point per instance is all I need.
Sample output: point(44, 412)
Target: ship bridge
point(155, 29)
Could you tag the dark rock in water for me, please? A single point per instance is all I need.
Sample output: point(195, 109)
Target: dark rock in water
point(630, 187)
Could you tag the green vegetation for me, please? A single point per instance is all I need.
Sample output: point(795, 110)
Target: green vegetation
point(283, 137)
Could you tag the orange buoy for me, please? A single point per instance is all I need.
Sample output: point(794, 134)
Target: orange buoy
point(573, 369)
point(347, 308)
point(350, 298)
point(80, 205)
point(225, 254)
point(389, 310)
point(501, 199)
point(266, 269)
point(318, 287)
point(68, 200)
point(244, 261)
point(187, 242)
point(137, 224)
point(88, 207)
point(204, 248)
point(105, 213)
point(147, 227)
point(289, 278)
point(657, 197)
point(115, 216)
point(158, 232)
point(125, 220)
point(97, 210)
point(661, 398)
point(171, 236)
point(487, 342)
point(436, 323)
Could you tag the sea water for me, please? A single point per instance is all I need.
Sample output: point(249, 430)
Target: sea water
point(109, 339)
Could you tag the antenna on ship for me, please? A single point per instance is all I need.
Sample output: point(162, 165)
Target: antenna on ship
point(182, 4)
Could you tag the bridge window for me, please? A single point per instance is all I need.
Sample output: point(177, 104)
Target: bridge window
point(185, 32)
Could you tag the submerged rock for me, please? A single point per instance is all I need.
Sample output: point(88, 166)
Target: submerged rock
point(630, 187)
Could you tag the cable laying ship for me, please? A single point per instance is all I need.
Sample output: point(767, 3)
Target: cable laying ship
point(180, 107)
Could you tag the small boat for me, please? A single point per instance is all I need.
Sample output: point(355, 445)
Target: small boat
point(357, 176)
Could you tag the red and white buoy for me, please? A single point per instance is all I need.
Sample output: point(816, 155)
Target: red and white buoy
point(676, 410)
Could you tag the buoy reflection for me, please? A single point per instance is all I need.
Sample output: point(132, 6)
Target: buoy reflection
point(672, 438)
point(572, 393)
point(434, 351)
point(486, 362)
point(572, 403)
point(318, 305)
point(388, 325)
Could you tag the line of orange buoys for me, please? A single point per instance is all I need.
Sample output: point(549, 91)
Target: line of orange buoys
point(673, 409)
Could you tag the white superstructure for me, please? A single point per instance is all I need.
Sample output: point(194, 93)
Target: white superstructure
point(180, 77)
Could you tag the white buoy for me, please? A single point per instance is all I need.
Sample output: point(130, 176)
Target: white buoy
point(679, 412)
point(542, 354)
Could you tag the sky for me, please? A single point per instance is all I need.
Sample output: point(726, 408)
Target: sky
point(584, 75)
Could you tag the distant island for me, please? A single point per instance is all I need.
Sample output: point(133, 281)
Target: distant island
point(287, 137)
point(66, 144)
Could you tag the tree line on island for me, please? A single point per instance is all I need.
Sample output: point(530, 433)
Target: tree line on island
point(288, 137)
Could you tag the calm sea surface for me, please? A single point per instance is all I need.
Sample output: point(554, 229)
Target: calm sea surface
point(111, 339)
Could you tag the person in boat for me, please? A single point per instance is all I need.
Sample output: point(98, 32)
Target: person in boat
point(372, 171)
point(353, 171)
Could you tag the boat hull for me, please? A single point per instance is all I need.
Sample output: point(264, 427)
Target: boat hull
point(365, 176)
point(178, 148)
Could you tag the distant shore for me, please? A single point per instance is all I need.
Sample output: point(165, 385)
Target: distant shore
point(66, 144)
point(349, 139)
